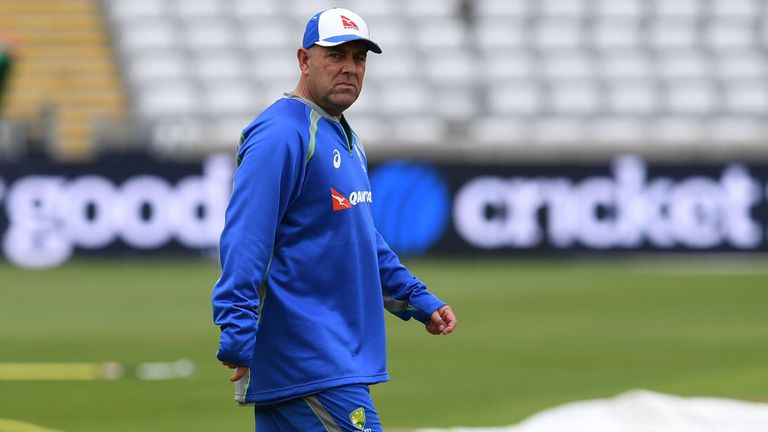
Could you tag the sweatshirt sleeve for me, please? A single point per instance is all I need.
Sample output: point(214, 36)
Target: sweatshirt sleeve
point(405, 296)
point(271, 166)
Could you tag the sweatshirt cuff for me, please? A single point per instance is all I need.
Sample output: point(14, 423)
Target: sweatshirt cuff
point(426, 303)
point(224, 357)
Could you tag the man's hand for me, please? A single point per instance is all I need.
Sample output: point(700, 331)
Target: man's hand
point(239, 372)
point(443, 321)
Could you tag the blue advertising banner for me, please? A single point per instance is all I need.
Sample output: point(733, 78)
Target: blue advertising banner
point(626, 205)
point(51, 212)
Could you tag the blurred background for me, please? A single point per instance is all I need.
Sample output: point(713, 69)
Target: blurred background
point(585, 181)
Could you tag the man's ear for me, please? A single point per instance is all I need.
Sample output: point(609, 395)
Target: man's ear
point(303, 56)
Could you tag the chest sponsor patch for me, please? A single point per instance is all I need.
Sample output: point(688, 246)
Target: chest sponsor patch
point(340, 202)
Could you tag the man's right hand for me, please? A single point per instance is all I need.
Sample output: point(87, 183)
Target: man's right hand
point(240, 371)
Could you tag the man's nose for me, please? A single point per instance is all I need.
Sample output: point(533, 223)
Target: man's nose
point(349, 65)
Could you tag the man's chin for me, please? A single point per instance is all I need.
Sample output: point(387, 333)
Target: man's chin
point(344, 100)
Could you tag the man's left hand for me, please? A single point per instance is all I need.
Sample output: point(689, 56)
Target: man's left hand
point(442, 322)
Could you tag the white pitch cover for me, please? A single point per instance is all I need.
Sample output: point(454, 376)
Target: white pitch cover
point(642, 411)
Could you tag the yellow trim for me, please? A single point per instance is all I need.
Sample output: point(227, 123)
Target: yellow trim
point(314, 118)
point(17, 426)
point(49, 372)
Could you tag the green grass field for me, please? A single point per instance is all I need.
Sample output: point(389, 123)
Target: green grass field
point(531, 335)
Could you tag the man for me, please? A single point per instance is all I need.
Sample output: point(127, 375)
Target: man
point(6, 61)
point(304, 272)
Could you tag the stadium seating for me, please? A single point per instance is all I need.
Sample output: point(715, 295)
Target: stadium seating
point(64, 83)
point(592, 73)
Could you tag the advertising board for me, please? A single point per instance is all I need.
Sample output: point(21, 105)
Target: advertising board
point(50, 213)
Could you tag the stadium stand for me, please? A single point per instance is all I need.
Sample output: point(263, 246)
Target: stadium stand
point(516, 73)
point(65, 82)
point(506, 76)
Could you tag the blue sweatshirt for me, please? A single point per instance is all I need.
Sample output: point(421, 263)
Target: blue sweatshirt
point(304, 272)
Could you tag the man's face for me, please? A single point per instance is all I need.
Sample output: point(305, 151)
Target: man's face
point(334, 75)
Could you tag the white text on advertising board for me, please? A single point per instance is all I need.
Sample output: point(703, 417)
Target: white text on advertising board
point(626, 210)
point(50, 216)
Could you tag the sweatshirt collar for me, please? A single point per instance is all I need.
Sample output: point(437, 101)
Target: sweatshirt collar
point(314, 106)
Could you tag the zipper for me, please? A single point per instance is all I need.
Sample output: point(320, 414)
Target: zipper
point(349, 143)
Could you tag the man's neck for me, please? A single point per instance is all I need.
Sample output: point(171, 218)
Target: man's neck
point(296, 94)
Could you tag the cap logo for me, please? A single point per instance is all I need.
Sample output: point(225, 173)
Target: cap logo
point(348, 23)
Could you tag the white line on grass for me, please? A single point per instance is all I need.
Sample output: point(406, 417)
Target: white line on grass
point(95, 371)
point(708, 270)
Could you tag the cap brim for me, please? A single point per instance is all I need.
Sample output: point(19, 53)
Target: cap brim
point(338, 40)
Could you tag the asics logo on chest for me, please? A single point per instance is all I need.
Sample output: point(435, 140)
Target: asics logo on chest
point(336, 159)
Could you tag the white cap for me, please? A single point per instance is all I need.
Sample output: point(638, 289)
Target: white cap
point(336, 26)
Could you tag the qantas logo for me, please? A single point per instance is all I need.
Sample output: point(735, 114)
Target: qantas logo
point(348, 23)
point(340, 202)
